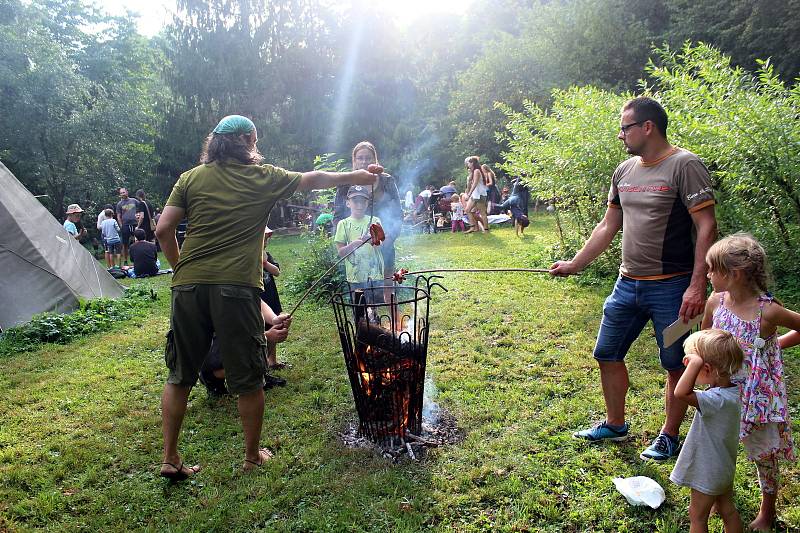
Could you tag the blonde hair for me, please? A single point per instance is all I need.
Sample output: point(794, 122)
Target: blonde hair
point(740, 252)
point(455, 198)
point(369, 146)
point(487, 172)
point(718, 348)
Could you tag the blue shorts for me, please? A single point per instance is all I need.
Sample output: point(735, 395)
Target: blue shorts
point(114, 247)
point(626, 312)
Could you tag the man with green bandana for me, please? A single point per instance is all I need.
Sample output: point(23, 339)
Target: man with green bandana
point(217, 281)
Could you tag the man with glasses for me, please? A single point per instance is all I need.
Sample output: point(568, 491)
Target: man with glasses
point(665, 195)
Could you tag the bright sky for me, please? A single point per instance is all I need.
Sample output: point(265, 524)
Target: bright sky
point(155, 14)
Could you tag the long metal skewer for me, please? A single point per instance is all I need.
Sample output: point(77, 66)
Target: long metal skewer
point(539, 270)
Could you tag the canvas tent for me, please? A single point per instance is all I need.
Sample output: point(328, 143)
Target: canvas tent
point(42, 267)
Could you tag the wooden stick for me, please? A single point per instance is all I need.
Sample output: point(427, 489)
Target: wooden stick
point(417, 438)
point(410, 451)
point(311, 288)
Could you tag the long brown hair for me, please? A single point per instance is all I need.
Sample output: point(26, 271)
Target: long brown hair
point(365, 145)
point(473, 162)
point(488, 173)
point(230, 146)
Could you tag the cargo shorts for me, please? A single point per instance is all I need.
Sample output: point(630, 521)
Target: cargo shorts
point(233, 312)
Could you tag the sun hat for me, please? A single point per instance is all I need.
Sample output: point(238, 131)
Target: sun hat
point(358, 190)
point(74, 208)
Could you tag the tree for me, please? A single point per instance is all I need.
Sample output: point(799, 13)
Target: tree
point(83, 119)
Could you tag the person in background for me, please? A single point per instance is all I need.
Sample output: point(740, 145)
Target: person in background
point(126, 217)
point(384, 204)
point(449, 189)
point(144, 255)
point(101, 216)
point(73, 220)
point(144, 216)
point(493, 200)
point(364, 267)
point(456, 213)
point(112, 243)
point(270, 297)
point(409, 200)
point(476, 192)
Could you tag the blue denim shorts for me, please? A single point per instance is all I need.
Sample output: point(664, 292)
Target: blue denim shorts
point(627, 310)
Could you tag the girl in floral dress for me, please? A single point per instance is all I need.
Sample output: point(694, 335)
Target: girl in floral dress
point(742, 305)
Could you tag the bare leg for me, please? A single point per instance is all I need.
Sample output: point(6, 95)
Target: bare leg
point(173, 407)
point(766, 513)
point(272, 358)
point(473, 223)
point(699, 509)
point(768, 480)
point(251, 411)
point(614, 379)
point(675, 409)
point(484, 217)
point(727, 511)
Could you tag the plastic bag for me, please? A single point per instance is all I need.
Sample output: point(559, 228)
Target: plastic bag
point(641, 490)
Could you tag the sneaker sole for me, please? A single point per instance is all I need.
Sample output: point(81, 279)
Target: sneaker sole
point(643, 457)
point(612, 439)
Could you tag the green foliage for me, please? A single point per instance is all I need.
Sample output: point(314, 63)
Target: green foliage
point(567, 155)
point(746, 128)
point(510, 357)
point(100, 314)
point(80, 120)
point(743, 125)
point(319, 254)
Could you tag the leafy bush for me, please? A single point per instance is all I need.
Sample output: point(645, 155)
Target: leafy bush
point(93, 316)
point(567, 156)
point(744, 126)
point(319, 255)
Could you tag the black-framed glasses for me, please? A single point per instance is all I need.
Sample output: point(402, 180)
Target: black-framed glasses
point(624, 129)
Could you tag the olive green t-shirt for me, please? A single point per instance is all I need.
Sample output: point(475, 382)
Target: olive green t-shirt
point(227, 206)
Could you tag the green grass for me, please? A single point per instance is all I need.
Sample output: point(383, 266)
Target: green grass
point(511, 358)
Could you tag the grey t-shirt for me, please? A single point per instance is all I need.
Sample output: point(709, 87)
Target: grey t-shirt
point(127, 210)
point(657, 201)
point(707, 462)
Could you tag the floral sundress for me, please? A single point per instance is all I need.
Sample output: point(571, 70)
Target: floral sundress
point(765, 427)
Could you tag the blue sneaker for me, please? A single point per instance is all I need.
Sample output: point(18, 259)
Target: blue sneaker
point(662, 449)
point(603, 431)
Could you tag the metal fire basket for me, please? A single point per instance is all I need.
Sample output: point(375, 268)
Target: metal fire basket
point(383, 329)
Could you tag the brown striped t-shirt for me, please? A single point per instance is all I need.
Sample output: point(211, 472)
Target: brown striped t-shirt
point(657, 199)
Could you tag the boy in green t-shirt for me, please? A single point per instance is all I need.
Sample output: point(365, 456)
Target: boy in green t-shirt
point(365, 266)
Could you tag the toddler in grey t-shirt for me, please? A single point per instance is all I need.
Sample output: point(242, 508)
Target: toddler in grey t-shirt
point(707, 462)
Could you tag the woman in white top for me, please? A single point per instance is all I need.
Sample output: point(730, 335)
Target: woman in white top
point(476, 190)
